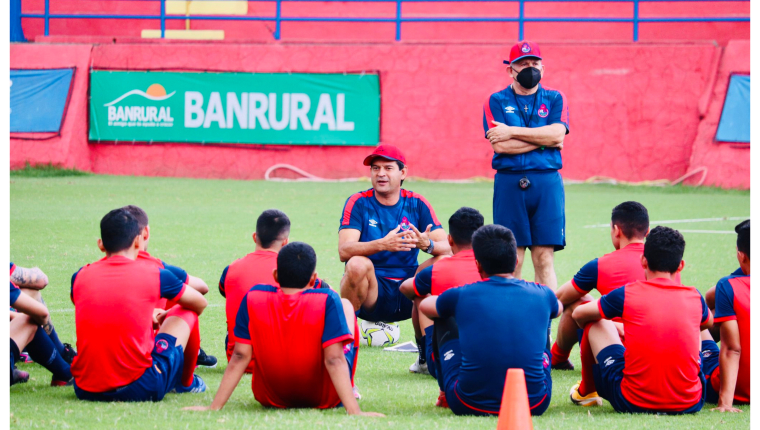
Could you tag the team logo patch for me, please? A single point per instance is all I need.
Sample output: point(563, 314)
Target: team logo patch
point(405, 224)
point(509, 109)
point(525, 48)
point(543, 111)
point(161, 345)
point(547, 362)
point(609, 361)
point(706, 354)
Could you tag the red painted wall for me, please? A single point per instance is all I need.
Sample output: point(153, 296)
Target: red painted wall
point(633, 107)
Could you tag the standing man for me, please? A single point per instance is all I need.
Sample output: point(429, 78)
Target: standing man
point(381, 232)
point(526, 124)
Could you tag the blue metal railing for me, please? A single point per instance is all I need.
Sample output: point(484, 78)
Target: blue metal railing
point(521, 19)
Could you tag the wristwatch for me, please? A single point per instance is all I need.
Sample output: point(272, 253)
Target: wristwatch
point(430, 247)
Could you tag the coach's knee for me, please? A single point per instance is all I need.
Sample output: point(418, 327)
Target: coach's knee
point(543, 257)
point(357, 267)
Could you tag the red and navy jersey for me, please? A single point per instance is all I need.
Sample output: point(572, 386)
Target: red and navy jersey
point(447, 273)
point(661, 319)
point(363, 212)
point(15, 292)
point(732, 303)
point(113, 301)
point(611, 271)
point(287, 333)
point(524, 309)
point(546, 107)
point(177, 271)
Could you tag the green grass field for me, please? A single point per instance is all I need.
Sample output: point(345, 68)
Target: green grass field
point(203, 225)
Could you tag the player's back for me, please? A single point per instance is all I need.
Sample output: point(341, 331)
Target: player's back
point(454, 272)
point(736, 288)
point(287, 334)
point(620, 267)
point(253, 269)
point(114, 300)
point(662, 358)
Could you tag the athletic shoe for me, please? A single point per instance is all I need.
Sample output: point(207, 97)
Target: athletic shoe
point(19, 377)
point(563, 365)
point(357, 395)
point(59, 383)
point(68, 353)
point(24, 358)
point(417, 367)
point(205, 360)
point(590, 399)
point(441, 402)
point(198, 386)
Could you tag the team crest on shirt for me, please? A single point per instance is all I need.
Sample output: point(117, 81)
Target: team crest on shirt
point(547, 362)
point(525, 48)
point(543, 111)
point(161, 345)
point(509, 109)
point(405, 224)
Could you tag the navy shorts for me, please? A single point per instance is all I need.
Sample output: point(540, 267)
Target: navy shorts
point(160, 378)
point(608, 375)
point(710, 363)
point(536, 215)
point(451, 360)
point(391, 305)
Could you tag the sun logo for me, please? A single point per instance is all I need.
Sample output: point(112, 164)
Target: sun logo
point(155, 92)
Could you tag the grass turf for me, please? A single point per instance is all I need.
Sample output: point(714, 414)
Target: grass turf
point(203, 225)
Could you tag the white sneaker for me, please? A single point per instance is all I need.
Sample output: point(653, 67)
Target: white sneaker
point(416, 367)
point(357, 395)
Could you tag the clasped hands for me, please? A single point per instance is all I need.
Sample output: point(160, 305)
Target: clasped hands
point(397, 240)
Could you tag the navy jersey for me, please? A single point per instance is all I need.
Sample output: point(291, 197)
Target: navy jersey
point(363, 212)
point(502, 325)
point(546, 107)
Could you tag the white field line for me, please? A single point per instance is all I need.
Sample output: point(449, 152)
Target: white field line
point(211, 305)
point(681, 221)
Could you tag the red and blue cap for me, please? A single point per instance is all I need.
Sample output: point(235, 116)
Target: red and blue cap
point(523, 49)
point(388, 152)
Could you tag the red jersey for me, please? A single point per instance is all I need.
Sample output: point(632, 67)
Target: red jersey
point(732, 303)
point(178, 272)
point(662, 345)
point(288, 333)
point(611, 271)
point(447, 273)
point(114, 300)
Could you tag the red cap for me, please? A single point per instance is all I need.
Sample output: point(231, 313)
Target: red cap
point(389, 152)
point(523, 49)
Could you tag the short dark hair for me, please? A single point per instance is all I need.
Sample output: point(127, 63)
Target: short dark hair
point(296, 262)
point(742, 237)
point(632, 218)
point(139, 214)
point(463, 223)
point(118, 230)
point(495, 249)
point(272, 225)
point(664, 249)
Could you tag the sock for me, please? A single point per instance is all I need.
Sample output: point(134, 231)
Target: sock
point(559, 355)
point(42, 350)
point(54, 338)
point(191, 355)
point(587, 362)
point(14, 354)
point(421, 350)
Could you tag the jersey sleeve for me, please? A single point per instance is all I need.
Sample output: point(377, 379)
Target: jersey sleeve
point(423, 282)
point(336, 328)
point(491, 112)
point(559, 113)
point(73, 279)
point(611, 305)
point(222, 280)
point(586, 278)
point(353, 214)
point(242, 331)
point(13, 267)
point(553, 303)
point(15, 292)
point(447, 303)
point(426, 215)
point(724, 302)
point(705, 309)
point(321, 284)
point(180, 273)
point(171, 286)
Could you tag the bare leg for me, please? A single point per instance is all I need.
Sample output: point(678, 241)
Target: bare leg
point(22, 331)
point(177, 327)
point(348, 311)
point(416, 320)
point(31, 292)
point(567, 330)
point(710, 300)
point(359, 284)
point(602, 334)
point(543, 264)
point(520, 260)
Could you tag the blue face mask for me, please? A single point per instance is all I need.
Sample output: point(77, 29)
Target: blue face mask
point(529, 77)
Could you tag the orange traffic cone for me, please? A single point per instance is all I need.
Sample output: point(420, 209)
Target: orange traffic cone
point(515, 409)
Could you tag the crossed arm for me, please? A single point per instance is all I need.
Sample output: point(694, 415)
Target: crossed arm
point(519, 140)
point(33, 278)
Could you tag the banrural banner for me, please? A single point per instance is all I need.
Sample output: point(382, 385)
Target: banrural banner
point(261, 108)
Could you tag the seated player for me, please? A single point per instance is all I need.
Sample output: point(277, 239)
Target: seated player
point(727, 369)
point(27, 331)
point(31, 282)
point(119, 358)
point(485, 328)
point(628, 229)
point(381, 233)
point(203, 359)
point(303, 350)
point(444, 274)
point(658, 370)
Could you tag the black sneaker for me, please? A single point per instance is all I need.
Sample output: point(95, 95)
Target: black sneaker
point(564, 365)
point(68, 353)
point(19, 376)
point(206, 360)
